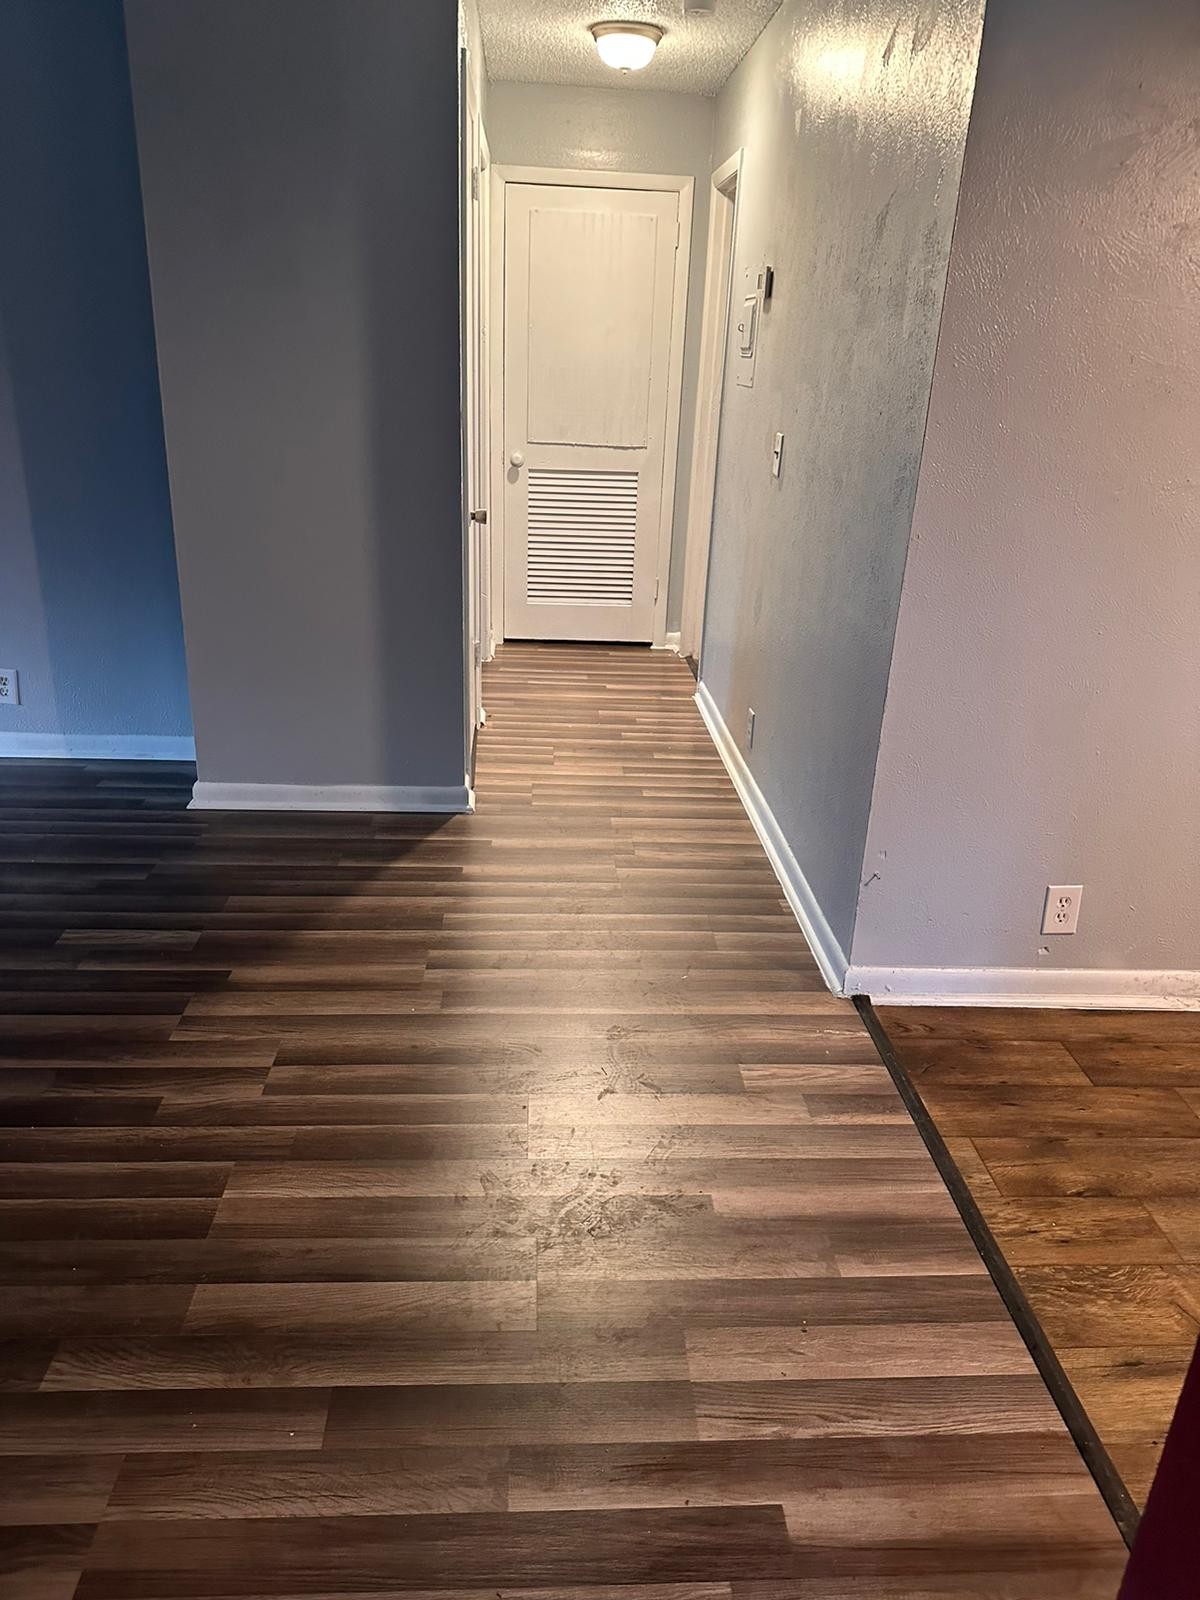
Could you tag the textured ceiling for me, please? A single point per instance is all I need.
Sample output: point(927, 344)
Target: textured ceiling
point(547, 41)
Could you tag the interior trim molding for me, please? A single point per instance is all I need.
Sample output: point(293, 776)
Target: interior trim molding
point(1074, 988)
point(671, 641)
point(98, 746)
point(331, 797)
point(829, 954)
point(505, 175)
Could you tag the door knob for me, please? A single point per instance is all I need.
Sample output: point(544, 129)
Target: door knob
point(516, 459)
point(479, 516)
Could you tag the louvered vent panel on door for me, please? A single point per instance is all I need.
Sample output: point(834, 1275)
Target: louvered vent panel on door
point(582, 533)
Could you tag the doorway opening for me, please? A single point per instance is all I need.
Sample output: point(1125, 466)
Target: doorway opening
point(592, 303)
point(596, 268)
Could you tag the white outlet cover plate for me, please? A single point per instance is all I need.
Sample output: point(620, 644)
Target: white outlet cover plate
point(1061, 911)
point(10, 687)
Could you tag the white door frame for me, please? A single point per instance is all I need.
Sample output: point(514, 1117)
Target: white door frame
point(714, 326)
point(483, 380)
point(678, 184)
point(473, 398)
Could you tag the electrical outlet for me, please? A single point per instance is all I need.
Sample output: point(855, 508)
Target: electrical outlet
point(750, 715)
point(10, 687)
point(1061, 913)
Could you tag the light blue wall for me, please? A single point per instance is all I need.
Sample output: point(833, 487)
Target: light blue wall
point(89, 602)
point(852, 125)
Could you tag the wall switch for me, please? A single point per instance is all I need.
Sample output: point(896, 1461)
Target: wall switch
point(1061, 912)
point(750, 715)
point(746, 327)
point(777, 456)
point(10, 687)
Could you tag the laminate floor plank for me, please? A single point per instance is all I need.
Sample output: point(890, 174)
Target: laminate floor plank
point(498, 1207)
point(1076, 1132)
point(389, 1358)
point(776, 1470)
point(57, 1489)
point(307, 1484)
point(513, 1178)
point(223, 1264)
point(55, 1423)
point(331, 1554)
point(33, 1312)
point(435, 1307)
point(43, 1561)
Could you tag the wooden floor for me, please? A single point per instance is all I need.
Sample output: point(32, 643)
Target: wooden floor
point(1079, 1135)
point(488, 1207)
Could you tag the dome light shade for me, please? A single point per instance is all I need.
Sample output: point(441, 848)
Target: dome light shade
point(627, 46)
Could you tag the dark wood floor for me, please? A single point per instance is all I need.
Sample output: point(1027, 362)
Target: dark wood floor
point(488, 1207)
point(1079, 1135)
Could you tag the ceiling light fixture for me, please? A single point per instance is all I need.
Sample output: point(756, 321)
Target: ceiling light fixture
point(627, 46)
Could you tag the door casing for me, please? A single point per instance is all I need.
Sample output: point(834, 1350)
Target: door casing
point(683, 186)
point(476, 456)
point(714, 354)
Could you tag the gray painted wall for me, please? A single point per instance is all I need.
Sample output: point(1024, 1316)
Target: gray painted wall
point(853, 125)
point(89, 602)
point(299, 164)
point(544, 125)
point(1043, 719)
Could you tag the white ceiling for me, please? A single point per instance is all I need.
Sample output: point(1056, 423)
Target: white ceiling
point(547, 41)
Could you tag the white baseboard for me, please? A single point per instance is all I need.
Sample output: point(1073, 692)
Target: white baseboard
point(1075, 988)
point(824, 945)
point(97, 747)
point(671, 641)
point(331, 797)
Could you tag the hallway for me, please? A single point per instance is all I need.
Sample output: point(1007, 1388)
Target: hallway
point(489, 1206)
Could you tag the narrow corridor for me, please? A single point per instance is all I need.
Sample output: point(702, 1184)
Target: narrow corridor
point(489, 1206)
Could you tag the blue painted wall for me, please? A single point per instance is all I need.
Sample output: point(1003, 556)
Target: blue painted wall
point(89, 599)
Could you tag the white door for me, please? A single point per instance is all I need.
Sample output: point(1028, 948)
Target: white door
point(588, 303)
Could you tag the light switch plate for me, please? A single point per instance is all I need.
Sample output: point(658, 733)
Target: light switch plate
point(745, 320)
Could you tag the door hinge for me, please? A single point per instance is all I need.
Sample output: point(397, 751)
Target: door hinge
point(474, 183)
point(657, 586)
point(678, 232)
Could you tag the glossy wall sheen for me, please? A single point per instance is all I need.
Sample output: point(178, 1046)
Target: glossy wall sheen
point(613, 130)
point(1053, 588)
point(852, 115)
